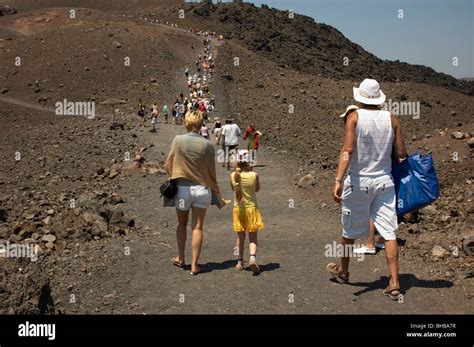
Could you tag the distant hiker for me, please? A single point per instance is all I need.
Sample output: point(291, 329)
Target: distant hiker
point(181, 113)
point(154, 109)
point(181, 96)
point(175, 113)
point(164, 113)
point(368, 191)
point(186, 72)
point(230, 133)
point(246, 214)
point(141, 114)
point(153, 123)
point(204, 130)
point(217, 131)
point(191, 162)
point(252, 135)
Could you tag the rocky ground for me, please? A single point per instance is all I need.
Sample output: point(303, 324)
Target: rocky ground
point(87, 193)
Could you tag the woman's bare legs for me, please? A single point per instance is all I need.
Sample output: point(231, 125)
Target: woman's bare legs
point(181, 234)
point(197, 224)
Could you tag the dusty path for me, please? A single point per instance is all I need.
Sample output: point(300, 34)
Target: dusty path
point(291, 254)
point(21, 103)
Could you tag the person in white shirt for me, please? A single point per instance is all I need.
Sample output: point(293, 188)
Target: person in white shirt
point(230, 133)
point(368, 192)
point(204, 131)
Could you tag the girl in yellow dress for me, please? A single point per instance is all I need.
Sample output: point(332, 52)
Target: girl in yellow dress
point(246, 216)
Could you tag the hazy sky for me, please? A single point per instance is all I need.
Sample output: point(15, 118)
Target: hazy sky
point(431, 33)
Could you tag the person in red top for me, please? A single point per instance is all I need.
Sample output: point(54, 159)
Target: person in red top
point(252, 135)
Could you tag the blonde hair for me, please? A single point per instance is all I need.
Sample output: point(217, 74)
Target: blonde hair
point(193, 120)
point(239, 167)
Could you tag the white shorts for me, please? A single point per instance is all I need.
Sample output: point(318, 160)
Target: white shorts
point(366, 198)
point(192, 196)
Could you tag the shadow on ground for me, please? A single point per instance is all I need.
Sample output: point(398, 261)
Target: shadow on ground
point(407, 281)
point(209, 267)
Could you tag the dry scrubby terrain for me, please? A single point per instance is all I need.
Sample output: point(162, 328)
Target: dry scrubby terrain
point(282, 63)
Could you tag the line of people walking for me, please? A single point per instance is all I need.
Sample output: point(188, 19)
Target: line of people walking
point(191, 163)
point(363, 184)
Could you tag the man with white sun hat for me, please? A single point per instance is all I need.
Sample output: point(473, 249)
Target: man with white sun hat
point(368, 192)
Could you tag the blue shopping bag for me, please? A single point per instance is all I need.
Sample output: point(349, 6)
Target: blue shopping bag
point(416, 183)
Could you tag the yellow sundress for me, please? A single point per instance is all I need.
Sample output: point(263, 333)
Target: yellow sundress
point(246, 215)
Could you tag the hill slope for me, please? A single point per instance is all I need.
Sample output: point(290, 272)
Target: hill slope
point(304, 45)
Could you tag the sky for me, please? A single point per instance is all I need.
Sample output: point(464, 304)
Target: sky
point(432, 32)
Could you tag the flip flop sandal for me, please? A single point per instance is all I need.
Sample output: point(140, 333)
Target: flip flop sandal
point(177, 263)
point(389, 292)
point(333, 269)
point(254, 268)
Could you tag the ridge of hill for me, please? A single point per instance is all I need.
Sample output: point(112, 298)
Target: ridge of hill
point(305, 45)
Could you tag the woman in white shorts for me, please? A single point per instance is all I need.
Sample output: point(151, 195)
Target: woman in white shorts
point(191, 162)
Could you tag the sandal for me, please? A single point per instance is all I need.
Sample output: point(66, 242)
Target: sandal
point(254, 267)
point(340, 277)
point(178, 263)
point(195, 273)
point(389, 292)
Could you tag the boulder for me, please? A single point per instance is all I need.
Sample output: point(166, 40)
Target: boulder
point(114, 172)
point(439, 252)
point(115, 199)
point(120, 220)
point(457, 135)
point(470, 143)
point(411, 217)
point(47, 221)
point(132, 167)
point(48, 238)
point(468, 242)
point(428, 210)
point(414, 229)
point(3, 231)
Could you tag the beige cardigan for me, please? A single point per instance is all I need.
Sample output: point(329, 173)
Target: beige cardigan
point(192, 157)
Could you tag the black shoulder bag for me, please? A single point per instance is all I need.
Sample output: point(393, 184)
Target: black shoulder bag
point(169, 189)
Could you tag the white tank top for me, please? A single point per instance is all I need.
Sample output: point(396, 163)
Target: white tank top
point(372, 155)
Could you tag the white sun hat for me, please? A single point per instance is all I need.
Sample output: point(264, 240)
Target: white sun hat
point(369, 93)
point(349, 109)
